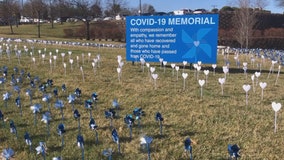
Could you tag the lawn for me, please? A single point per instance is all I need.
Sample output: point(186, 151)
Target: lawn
point(211, 119)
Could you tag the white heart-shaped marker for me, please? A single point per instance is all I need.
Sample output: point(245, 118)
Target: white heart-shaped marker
point(71, 61)
point(173, 65)
point(246, 87)
point(206, 72)
point(184, 75)
point(214, 66)
point(184, 62)
point(201, 82)
point(199, 63)
point(252, 77)
point(165, 63)
point(148, 65)
point(154, 76)
point(152, 69)
point(221, 80)
point(276, 106)
point(262, 84)
point(118, 70)
point(196, 43)
point(257, 74)
point(245, 64)
point(177, 68)
point(198, 68)
point(121, 64)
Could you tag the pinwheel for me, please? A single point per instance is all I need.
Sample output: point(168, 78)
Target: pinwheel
point(80, 143)
point(129, 121)
point(115, 105)
point(36, 109)
point(110, 114)
point(41, 149)
point(188, 147)
point(8, 153)
point(46, 119)
point(56, 158)
point(233, 151)
point(145, 140)
point(108, 153)
point(115, 138)
point(32, 84)
point(28, 140)
point(5, 71)
point(95, 97)
point(30, 94)
point(55, 92)
point(63, 88)
point(13, 81)
point(77, 116)
point(60, 132)
point(16, 70)
point(46, 98)
point(2, 81)
point(13, 128)
point(59, 105)
point(2, 118)
point(160, 119)
point(93, 126)
point(6, 97)
point(28, 75)
point(78, 92)
point(49, 82)
point(17, 90)
point(138, 113)
point(88, 105)
point(71, 99)
point(37, 80)
point(18, 104)
point(42, 88)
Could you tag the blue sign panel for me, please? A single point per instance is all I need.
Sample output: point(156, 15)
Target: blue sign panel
point(188, 38)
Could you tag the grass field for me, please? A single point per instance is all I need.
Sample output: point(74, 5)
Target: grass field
point(213, 120)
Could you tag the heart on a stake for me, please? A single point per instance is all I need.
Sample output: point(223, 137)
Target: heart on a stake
point(206, 72)
point(214, 66)
point(155, 76)
point(199, 63)
point(245, 64)
point(184, 75)
point(221, 80)
point(118, 70)
point(165, 63)
point(252, 77)
point(177, 68)
point(276, 106)
point(262, 84)
point(201, 82)
point(198, 68)
point(257, 74)
point(246, 87)
point(173, 65)
point(152, 69)
point(148, 65)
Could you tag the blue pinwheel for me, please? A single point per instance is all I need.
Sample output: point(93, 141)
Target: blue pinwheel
point(56, 158)
point(59, 105)
point(17, 89)
point(46, 119)
point(16, 70)
point(115, 138)
point(234, 151)
point(63, 88)
point(30, 94)
point(88, 105)
point(188, 147)
point(8, 153)
point(71, 99)
point(28, 75)
point(93, 126)
point(77, 116)
point(49, 82)
point(32, 84)
point(80, 143)
point(46, 98)
point(146, 141)
point(60, 132)
point(78, 92)
point(42, 88)
point(196, 44)
point(116, 105)
point(36, 109)
point(13, 128)
point(13, 80)
point(28, 140)
point(138, 112)
point(2, 118)
point(108, 153)
point(160, 119)
point(18, 104)
point(41, 149)
point(110, 114)
point(5, 71)
point(6, 97)
point(55, 92)
point(2, 81)
point(95, 97)
point(129, 121)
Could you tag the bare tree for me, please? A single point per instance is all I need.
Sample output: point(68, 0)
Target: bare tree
point(114, 7)
point(9, 11)
point(148, 8)
point(280, 3)
point(244, 21)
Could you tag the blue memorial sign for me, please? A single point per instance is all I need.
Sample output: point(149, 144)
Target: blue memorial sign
point(188, 38)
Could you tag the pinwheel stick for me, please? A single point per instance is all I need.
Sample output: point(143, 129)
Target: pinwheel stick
point(262, 94)
point(6, 106)
point(161, 127)
point(97, 137)
point(222, 87)
point(110, 122)
point(91, 114)
point(118, 147)
point(35, 119)
point(47, 128)
point(61, 110)
point(184, 84)
point(62, 141)
point(130, 132)
point(277, 75)
point(79, 127)
point(82, 149)
point(149, 151)
point(72, 106)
